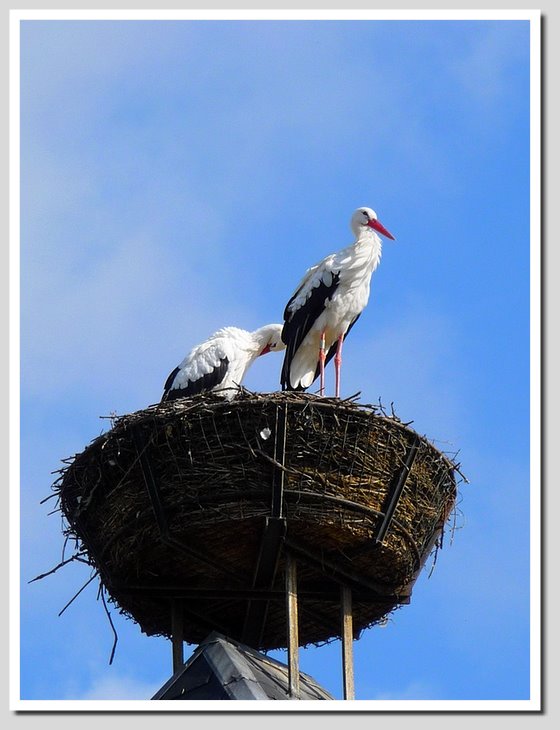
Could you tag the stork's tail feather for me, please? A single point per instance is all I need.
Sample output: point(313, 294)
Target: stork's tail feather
point(291, 388)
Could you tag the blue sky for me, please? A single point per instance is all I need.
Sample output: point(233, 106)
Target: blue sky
point(178, 176)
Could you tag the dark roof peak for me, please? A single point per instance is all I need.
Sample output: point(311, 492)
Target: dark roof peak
point(223, 669)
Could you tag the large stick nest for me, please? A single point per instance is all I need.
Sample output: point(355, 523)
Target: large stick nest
point(178, 505)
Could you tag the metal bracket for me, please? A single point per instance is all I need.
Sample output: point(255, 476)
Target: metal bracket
point(396, 491)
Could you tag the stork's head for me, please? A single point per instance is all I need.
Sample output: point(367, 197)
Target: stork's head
point(367, 218)
point(270, 338)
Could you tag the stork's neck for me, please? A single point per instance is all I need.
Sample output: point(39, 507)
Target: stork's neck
point(262, 335)
point(368, 243)
point(260, 338)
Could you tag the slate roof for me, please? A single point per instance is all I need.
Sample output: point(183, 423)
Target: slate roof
point(223, 669)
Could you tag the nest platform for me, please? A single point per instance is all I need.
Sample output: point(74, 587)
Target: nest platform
point(194, 506)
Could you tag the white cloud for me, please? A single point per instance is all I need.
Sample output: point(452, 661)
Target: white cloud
point(408, 362)
point(484, 71)
point(111, 326)
point(117, 687)
point(414, 690)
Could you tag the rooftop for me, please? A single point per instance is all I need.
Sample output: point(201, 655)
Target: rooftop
point(223, 669)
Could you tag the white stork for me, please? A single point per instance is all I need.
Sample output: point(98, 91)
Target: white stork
point(220, 363)
point(326, 304)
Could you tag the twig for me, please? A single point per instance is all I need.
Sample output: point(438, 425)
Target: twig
point(78, 593)
point(116, 638)
point(60, 565)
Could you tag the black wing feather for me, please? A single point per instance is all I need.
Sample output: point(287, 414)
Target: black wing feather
point(170, 379)
point(194, 387)
point(297, 324)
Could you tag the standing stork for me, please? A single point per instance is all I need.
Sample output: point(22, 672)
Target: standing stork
point(326, 304)
point(220, 363)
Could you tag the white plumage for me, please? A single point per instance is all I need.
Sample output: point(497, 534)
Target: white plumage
point(326, 304)
point(220, 363)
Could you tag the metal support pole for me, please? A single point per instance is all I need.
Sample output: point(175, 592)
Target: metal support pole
point(280, 432)
point(347, 638)
point(272, 539)
point(177, 634)
point(292, 616)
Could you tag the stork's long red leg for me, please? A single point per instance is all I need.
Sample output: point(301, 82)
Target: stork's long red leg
point(322, 357)
point(337, 364)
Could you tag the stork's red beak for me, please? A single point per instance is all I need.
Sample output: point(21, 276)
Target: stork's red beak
point(266, 349)
point(373, 223)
